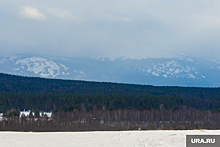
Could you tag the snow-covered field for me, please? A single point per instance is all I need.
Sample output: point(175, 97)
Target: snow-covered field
point(100, 139)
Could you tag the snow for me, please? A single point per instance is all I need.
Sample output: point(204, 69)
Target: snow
point(65, 68)
point(172, 69)
point(189, 59)
point(3, 60)
point(1, 114)
point(26, 113)
point(155, 74)
point(51, 72)
point(191, 76)
point(98, 139)
point(177, 71)
point(165, 75)
point(12, 57)
point(149, 70)
point(65, 73)
point(41, 66)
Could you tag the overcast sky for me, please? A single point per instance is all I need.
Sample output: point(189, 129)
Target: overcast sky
point(100, 28)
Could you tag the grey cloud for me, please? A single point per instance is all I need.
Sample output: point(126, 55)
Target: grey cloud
point(112, 28)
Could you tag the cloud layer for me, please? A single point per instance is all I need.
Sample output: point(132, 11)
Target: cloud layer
point(31, 12)
point(111, 28)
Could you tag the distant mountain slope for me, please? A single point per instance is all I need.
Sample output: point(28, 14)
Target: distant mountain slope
point(177, 71)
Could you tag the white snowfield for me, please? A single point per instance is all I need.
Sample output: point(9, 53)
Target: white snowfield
point(100, 139)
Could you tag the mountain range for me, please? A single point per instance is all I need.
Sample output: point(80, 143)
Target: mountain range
point(181, 70)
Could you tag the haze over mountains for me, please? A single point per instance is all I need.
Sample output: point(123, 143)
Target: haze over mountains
point(180, 70)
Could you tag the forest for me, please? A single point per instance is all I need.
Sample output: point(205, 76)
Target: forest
point(78, 101)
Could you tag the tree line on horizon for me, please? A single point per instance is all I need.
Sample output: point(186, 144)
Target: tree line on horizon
point(32, 93)
point(36, 85)
point(69, 102)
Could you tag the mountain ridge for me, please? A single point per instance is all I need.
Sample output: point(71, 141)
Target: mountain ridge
point(177, 71)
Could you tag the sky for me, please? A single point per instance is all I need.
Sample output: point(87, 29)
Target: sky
point(110, 28)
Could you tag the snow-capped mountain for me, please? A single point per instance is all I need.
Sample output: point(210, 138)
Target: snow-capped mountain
point(173, 69)
point(41, 66)
point(176, 71)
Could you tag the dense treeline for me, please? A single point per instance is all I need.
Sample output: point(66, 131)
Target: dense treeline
point(29, 85)
point(68, 102)
point(97, 120)
point(48, 94)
